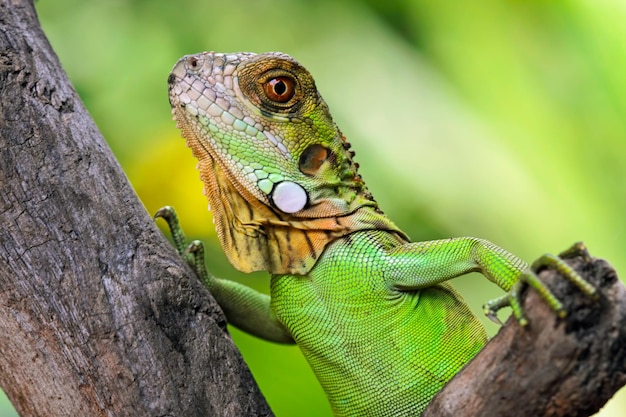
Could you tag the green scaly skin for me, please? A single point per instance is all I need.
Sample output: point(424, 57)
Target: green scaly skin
point(372, 312)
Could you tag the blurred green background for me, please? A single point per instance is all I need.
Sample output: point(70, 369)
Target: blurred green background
point(499, 119)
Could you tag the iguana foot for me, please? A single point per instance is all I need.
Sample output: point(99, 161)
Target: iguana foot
point(529, 277)
point(193, 253)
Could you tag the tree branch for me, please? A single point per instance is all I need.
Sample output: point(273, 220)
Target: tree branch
point(98, 314)
point(554, 367)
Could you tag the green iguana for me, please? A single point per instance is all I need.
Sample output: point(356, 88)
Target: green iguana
point(371, 311)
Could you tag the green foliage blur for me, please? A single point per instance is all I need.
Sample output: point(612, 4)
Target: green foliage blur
point(499, 119)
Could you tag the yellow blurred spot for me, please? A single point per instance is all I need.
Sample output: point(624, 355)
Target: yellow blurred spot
point(165, 174)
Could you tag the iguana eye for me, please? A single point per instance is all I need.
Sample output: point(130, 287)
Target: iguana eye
point(277, 87)
point(280, 89)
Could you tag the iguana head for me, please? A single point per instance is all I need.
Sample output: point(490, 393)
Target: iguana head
point(278, 173)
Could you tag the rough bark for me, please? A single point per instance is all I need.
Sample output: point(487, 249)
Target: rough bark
point(98, 315)
point(553, 367)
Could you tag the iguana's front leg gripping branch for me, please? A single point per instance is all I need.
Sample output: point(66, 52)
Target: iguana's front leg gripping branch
point(168, 214)
point(529, 277)
point(192, 253)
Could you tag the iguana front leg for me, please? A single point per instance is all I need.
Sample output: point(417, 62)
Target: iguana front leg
point(245, 308)
point(422, 264)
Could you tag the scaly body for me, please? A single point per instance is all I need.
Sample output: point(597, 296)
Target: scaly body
point(372, 360)
point(372, 312)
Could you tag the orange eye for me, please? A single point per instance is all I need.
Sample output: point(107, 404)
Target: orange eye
point(280, 89)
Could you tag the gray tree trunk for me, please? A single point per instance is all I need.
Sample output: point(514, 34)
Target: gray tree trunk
point(98, 314)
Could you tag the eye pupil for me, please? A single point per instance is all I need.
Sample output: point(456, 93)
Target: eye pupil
point(280, 89)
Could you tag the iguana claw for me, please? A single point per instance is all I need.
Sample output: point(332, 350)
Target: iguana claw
point(168, 214)
point(193, 253)
point(529, 277)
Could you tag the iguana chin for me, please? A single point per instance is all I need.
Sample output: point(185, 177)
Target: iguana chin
point(372, 312)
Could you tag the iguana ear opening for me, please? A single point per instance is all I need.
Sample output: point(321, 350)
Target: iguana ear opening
point(312, 159)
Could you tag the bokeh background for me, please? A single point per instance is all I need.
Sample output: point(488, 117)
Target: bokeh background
point(494, 118)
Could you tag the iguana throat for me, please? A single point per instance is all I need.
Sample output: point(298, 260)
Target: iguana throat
point(279, 194)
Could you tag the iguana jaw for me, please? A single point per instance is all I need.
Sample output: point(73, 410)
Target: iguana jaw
point(221, 125)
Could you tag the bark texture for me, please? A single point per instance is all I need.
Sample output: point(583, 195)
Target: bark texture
point(98, 314)
point(553, 367)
